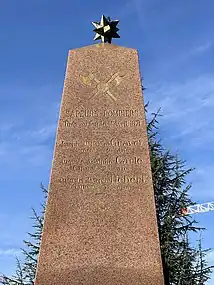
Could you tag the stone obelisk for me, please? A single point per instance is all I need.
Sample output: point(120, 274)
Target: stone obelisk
point(100, 223)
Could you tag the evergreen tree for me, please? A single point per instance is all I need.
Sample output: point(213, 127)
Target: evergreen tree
point(202, 270)
point(26, 270)
point(171, 196)
point(182, 263)
point(16, 279)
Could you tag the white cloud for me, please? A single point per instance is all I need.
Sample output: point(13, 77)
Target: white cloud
point(202, 48)
point(126, 10)
point(43, 133)
point(210, 257)
point(31, 146)
point(10, 252)
point(188, 106)
point(5, 127)
point(187, 121)
point(3, 149)
point(142, 10)
point(196, 50)
point(202, 182)
point(31, 126)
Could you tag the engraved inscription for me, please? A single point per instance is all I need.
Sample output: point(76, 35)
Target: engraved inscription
point(125, 160)
point(81, 168)
point(130, 143)
point(120, 113)
point(97, 118)
point(87, 113)
point(117, 160)
point(72, 144)
point(113, 143)
point(119, 163)
point(83, 113)
point(117, 179)
point(99, 124)
point(120, 166)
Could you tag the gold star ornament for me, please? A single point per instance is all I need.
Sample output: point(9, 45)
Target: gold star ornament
point(106, 29)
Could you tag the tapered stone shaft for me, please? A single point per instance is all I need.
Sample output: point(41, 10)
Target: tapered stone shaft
point(100, 223)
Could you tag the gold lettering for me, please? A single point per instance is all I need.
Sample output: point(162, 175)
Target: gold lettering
point(85, 113)
point(82, 113)
point(70, 144)
point(85, 182)
point(119, 143)
point(69, 124)
point(100, 124)
point(125, 179)
point(124, 160)
point(101, 161)
point(120, 113)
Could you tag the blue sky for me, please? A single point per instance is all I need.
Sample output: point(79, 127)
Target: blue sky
point(176, 48)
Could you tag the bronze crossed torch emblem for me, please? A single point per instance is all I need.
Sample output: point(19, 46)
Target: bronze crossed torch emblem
point(102, 87)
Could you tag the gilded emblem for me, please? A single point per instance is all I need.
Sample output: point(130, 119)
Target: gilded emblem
point(103, 87)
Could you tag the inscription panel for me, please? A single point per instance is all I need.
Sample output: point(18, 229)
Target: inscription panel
point(91, 118)
point(100, 214)
point(102, 124)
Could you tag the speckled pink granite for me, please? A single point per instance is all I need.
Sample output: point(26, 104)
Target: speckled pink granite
point(100, 223)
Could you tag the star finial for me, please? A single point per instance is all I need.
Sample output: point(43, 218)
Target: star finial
point(106, 29)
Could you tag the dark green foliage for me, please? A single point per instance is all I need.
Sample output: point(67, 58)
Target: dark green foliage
point(26, 270)
point(202, 270)
point(180, 259)
point(182, 263)
point(17, 279)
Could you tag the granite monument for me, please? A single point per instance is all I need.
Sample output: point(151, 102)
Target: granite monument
point(100, 223)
